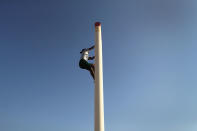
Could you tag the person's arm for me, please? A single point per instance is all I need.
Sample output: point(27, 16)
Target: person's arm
point(91, 48)
point(91, 58)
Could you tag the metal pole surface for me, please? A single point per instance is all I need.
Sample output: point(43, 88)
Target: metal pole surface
point(98, 91)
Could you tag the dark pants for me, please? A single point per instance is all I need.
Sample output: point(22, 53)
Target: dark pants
point(88, 66)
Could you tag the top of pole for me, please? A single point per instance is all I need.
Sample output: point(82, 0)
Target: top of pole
point(97, 24)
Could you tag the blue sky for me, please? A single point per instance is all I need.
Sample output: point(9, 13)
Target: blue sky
point(149, 62)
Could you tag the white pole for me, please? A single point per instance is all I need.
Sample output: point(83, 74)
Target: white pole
point(98, 91)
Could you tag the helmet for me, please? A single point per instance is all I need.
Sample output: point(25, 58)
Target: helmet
point(83, 50)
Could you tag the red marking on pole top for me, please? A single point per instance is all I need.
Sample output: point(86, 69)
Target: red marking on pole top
point(97, 24)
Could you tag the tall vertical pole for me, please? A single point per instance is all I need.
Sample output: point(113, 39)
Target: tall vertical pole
point(98, 92)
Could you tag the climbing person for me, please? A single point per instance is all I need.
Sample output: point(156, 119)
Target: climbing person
point(84, 64)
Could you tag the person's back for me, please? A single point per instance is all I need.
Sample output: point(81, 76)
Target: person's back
point(85, 54)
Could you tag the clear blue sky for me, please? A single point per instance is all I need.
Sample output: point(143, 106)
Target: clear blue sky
point(149, 60)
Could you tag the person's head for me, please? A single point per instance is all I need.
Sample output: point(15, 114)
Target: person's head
point(83, 50)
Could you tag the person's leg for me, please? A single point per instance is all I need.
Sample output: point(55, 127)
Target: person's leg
point(82, 64)
point(92, 73)
point(93, 66)
point(92, 70)
point(88, 66)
